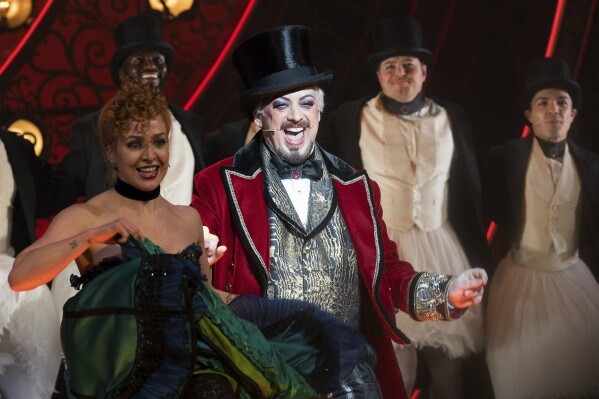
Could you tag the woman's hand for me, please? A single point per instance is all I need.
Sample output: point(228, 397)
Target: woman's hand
point(467, 288)
point(116, 232)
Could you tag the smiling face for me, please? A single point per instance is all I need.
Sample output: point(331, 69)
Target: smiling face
point(290, 123)
point(141, 154)
point(149, 67)
point(551, 114)
point(402, 77)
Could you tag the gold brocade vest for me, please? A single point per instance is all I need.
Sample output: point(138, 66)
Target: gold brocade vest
point(549, 238)
point(317, 262)
point(409, 156)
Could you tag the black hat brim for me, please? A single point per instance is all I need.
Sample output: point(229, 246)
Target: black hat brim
point(569, 86)
point(250, 98)
point(425, 56)
point(122, 53)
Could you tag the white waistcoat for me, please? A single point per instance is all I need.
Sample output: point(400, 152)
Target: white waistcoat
point(409, 156)
point(178, 182)
point(551, 204)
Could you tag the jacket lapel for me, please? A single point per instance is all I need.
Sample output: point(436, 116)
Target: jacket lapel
point(365, 230)
point(587, 165)
point(360, 220)
point(244, 187)
point(516, 163)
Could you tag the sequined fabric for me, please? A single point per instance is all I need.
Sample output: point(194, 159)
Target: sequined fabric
point(138, 313)
point(427, 298)
point(315, 263)
point(150, 326)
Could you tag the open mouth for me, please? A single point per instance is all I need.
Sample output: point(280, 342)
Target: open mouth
point(295, 136)
point(148, 172)
point(150, 76)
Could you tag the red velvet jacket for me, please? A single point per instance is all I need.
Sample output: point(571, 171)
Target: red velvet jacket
point(229, 197)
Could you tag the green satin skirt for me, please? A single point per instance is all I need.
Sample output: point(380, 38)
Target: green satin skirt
point(143, 327)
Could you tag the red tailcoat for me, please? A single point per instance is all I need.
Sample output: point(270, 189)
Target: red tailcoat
point(229, 196)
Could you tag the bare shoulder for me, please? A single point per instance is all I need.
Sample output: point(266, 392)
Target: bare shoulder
point(188, 214)
point(69, 222)
point(85, 215)
point(75, 215)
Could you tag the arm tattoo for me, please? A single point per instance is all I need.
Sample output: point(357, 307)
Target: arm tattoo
point(73, 244)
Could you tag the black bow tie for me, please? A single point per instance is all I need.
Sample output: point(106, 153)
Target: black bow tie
point(310, 169)
point(552, 149)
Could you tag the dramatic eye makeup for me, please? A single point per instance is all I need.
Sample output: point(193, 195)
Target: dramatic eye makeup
point(307, 102)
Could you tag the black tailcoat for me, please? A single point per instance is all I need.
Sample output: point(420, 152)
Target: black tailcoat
point(504, 178)
point(28, 172)
point(225, 142)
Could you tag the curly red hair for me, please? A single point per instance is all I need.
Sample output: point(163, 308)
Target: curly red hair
point(134, 103)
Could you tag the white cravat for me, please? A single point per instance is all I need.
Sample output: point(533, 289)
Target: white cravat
point(299, 193)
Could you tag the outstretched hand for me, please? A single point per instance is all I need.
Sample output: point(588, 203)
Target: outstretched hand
point(213, 251)
point(467, 288)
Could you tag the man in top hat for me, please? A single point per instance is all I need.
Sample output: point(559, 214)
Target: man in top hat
point(141, 54)
point(301, 223)
point(542, 191)
point(411, 145)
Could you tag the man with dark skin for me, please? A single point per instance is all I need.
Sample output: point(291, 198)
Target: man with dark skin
point(144, 55)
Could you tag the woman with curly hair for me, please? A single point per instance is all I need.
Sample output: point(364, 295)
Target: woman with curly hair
point(146, 322)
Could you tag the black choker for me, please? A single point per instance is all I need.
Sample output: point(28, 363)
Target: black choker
point(128, 191)
point(395, 107)
point(552, 149)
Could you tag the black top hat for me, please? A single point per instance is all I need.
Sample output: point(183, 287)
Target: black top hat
point(138, 33)
point(548, 73)
point(395, 36)
point(275, 61)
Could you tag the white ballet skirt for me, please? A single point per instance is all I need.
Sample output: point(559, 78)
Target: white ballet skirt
point(543, 328)
point(61, 287)
point(439, 251)
point(30, 349)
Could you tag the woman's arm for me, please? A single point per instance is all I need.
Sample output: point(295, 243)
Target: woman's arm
point(65, 240)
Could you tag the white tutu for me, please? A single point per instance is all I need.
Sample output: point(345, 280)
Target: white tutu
point(439, 251)
point(61, 287)
point(542, 329)
point(30, 347)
